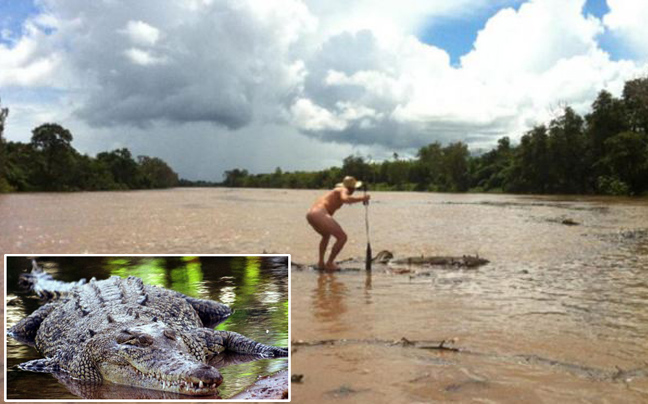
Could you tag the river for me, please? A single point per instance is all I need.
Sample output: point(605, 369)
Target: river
point(560, 314)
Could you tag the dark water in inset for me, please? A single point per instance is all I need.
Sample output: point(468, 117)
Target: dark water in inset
point(256, 288)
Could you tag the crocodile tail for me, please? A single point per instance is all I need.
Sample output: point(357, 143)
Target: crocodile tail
point(27, 328)
point(211, 313)
point(236, 342)
point(30, 280)
point(45, 365)
point(44, 285)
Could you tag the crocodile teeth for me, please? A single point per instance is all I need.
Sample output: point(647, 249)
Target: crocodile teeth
point(200, 385)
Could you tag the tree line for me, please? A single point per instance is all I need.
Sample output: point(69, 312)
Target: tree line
point(603, 152)
point(49, 162)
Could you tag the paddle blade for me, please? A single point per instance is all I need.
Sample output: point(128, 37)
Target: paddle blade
point(368, 258)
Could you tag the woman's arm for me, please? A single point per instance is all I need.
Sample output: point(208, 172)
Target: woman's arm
point(349, 199)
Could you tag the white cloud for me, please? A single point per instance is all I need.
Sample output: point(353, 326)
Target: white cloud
point(26, 63)
point(499, 79)
point(141, 33)
point(523, 65)
point(387, 18)
point(629, 20)
point(310, 117)
point(142, 57)
point(532, 39)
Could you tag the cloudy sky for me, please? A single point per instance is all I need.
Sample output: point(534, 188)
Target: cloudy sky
point(210, 85)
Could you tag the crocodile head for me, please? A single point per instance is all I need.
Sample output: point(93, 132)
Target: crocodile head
point(152, 356)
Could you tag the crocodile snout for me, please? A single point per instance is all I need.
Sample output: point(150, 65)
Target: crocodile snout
point(208, 375)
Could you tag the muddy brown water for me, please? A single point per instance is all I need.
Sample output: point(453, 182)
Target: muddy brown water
point(559, 315)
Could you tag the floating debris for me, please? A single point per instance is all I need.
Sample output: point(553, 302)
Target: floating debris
point(296, 378)
point(569, 222)
point(344, 391)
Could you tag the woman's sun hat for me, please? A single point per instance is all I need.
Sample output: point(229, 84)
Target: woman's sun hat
point(350, 182)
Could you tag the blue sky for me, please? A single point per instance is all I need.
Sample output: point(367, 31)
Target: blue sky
point(607, 41)
point(457, 35)
point(13, 13)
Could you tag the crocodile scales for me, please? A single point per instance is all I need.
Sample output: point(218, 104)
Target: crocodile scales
point(125, 332)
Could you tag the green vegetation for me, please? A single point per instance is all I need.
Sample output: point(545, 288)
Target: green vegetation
point(182, 274)
point(4, 185)
point(604, 152)
point(50, 163)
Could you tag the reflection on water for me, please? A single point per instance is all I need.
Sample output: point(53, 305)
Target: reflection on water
point(329, 298)
point(256, 289)
point(367, 287)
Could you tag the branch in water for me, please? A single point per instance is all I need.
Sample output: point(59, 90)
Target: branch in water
point(403, 342)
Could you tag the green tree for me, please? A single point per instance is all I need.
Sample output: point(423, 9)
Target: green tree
point(491, 170)
point(123, 168)
point(235, 177)
point(50, 163)
point(54, 143)
point(627, 159)
point(275, 180)
point(23, 166)
point(635, 99)
point(94, 175)
point(329, 177)
point(455, 167)
point(568, 154)
point(530, 172)
point(608, 118)
point(356, 167)
point(397, 173)
point(428, 168)
point(155, 173)
point(4, 184)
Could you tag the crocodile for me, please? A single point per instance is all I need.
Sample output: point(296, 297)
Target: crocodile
point(385, 259)
point(112, 391)
point(123, 331)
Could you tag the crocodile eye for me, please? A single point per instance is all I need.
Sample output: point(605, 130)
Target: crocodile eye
point(124, 338)
point(169, 334)
point(145, 340)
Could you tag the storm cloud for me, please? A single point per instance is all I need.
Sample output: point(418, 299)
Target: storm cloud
point(218, 62)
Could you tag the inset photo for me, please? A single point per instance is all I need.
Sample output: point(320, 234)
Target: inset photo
point(143, 327)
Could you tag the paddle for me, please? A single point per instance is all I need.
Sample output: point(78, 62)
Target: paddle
point(368, 257)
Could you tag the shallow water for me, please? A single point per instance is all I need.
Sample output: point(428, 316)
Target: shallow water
point(256, 288)
point(559, 315)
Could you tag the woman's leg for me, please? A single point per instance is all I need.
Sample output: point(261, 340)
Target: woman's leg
point(326, 226)
point(322, 250)
point(340, 240)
